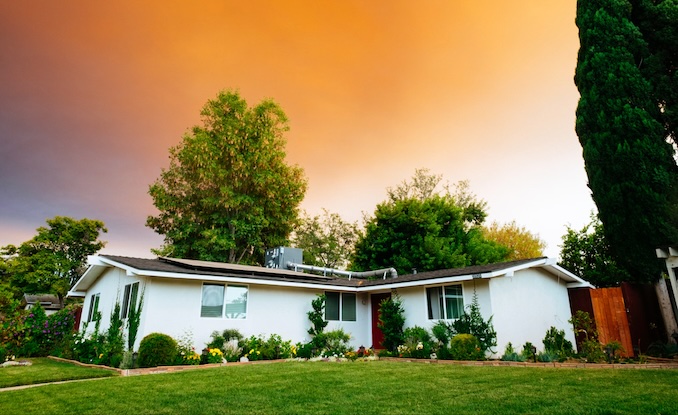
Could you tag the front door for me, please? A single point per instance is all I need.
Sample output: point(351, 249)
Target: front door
point(377, 335)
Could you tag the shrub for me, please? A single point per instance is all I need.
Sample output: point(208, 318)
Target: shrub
point(416, 343)
point(391, 322)
point(305, 350)
point(220, 339)
point(114, 344)
point(443, 332)
point(548, 356)
point(661, 349)
point(232, 351)
point(186, 353)
point(251, 347)
point(510, 355)
point(472, 322)
point(465, 347)
point(157, 349)
point(336, 342)
point(318, 322)
point(555, 342)
point(215, 356)
point(34, 333)
point(614, 348)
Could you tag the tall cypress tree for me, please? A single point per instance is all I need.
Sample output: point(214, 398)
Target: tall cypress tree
point(623, 129)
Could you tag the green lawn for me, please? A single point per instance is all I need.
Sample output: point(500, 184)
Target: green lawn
point(47, 370)
point(360, 388)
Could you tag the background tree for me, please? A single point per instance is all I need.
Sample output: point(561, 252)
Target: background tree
point(53, 260)
point(626, 75)
point(522, 244)
point(327, 240)
point(425, 231)
point(586, 253)
point(228, 193)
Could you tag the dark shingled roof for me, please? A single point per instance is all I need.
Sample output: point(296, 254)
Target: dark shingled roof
point(221, 269)
point(233, 270)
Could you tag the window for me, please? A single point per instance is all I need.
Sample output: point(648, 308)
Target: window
point(236, 301)
point(93, 307)
point(129, 299)
point(229, 301)
point(445, 303)
point(340, 304)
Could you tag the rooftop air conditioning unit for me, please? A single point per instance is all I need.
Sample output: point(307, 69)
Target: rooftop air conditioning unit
point(280, 256)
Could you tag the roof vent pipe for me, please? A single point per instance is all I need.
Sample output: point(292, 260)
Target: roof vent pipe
point(364, 274)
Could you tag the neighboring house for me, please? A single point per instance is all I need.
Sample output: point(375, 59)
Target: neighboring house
point(49, 302)
point(524, 297)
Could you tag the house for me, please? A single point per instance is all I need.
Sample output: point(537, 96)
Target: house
point(49, 302)
point(524, 297)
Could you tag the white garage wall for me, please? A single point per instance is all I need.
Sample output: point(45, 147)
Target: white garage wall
point(526, 306)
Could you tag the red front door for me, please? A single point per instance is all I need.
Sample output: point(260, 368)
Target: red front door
point(377, 335)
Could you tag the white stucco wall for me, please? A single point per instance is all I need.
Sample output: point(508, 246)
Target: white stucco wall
point(523, 307)
point(172, 307)
point(416, 309)
point(110, 286)
point(526, 305)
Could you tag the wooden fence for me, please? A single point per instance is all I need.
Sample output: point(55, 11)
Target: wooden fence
point(609, 311)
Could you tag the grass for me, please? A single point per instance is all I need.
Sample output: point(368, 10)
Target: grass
point(45, 370)
point(360, 387)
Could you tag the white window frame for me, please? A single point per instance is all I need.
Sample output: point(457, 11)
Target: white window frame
point(442, 303)
point(224, 314)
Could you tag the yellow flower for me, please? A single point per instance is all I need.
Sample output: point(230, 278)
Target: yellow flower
point(101, 355)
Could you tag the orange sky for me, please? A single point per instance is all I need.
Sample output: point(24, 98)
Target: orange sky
point(93, 94)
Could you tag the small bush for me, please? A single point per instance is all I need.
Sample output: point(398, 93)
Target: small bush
point(219, 339)
point(548, 356)
point(465, 347)
point(615, 350)
point(232, 351)
point(305, 351)
point(186, 353)
point(442, 332)
point(336, 342)
point(510, 355)
point(416, 343)
point(661, 349)
point(555, 342)
point(157, 349)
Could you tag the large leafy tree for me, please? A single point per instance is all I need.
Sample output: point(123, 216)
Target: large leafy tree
point(425, 231)
point(586, 253)
point(626, 124)
point(327, 240)
point(53, 260)
point(522, 243)
point(228, 193)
